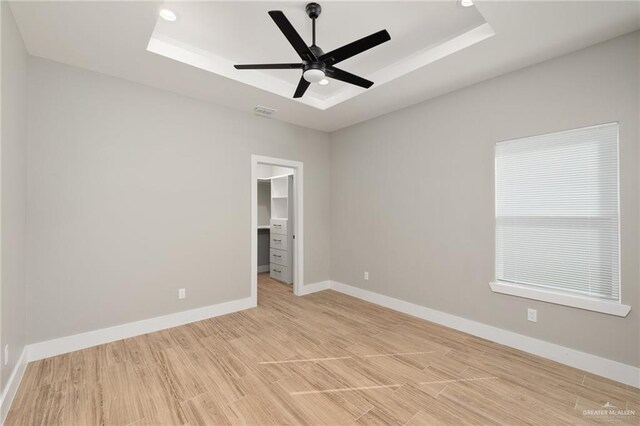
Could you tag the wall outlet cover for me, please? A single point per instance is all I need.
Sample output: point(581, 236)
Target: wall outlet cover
point(366, 276)
point(532, 315)
point(182, 293)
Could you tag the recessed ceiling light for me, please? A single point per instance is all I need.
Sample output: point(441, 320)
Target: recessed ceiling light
point(168, 15)
point(323, 82)
point(466, 3)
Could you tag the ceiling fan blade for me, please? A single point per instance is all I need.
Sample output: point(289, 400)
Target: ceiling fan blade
point(268, 66)
point(347, 77)
point(302, 87)
point(352, 49)
point(292, 35)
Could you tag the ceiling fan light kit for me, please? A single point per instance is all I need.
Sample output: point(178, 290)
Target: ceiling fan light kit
point(316, 65)
point(313, 75)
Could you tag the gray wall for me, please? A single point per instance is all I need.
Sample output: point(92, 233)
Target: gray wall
point(13, 149)
point(264, 203)
point(412, 194)
point(264, 242)
point(264, 218)
point(134, 192)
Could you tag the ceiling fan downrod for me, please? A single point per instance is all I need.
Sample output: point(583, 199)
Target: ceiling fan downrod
point(313, 11)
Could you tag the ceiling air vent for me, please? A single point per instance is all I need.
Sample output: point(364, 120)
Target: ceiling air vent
point(263, 110)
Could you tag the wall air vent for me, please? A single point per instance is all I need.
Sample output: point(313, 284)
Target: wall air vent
point(263, 110)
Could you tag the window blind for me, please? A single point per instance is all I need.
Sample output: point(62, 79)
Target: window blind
point(557, 212)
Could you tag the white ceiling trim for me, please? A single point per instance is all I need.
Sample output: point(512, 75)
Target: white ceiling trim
point(421, 59)
point(191, 55)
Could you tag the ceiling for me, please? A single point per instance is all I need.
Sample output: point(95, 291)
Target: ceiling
point(435, 47)
point(214, 36)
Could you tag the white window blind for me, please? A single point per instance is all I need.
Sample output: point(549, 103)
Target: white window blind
point(557, 216)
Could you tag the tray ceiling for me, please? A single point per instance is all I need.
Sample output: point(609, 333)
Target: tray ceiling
point(214, 36)
point(435, 48)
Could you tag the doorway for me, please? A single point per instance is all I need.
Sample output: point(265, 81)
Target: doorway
point(286, 182)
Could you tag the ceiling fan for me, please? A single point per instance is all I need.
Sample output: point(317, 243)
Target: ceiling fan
point(316, 65)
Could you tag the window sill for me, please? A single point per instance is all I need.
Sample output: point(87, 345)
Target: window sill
point(611, 308)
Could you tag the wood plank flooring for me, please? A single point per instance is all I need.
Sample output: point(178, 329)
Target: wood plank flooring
point(324, 358)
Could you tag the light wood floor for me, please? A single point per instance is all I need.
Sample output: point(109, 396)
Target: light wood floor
point(325, 358)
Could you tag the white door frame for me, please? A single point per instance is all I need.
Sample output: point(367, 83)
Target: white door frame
point(298, 208)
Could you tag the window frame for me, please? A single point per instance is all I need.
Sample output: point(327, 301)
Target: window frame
point(550, 295)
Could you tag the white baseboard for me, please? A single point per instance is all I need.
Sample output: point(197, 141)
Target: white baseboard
point(80, 341)
point(594, 364)
point(315, 287)
point(613, 370)
point(12, 386)
point(62, 345)
point(76, 342)
point(263, 268)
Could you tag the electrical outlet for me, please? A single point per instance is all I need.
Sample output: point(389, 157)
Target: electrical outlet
point(6, 354)
point(366, 276)
point(532, 315)
point(182, 293)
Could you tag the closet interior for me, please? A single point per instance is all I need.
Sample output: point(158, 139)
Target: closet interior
point(276, 223)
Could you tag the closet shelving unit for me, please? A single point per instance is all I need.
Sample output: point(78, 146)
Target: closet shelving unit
point(282, 227)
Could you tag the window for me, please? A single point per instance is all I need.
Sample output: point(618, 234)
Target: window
point(557, 218)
